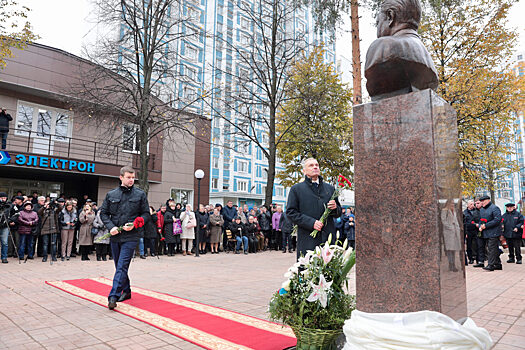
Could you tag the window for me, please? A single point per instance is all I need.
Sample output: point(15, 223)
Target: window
point(194, 14)
point(214, 183)
point(264, 173)
point(215, 162)
point(264, 139)
point(279, 191)
point(189, 93)
point(245, 39)
point(191, 73)
point(520, 57)
point(191, 52)
point(42, 121)
point(245, 23)
point(263, 189)
point(226, 165)
point(182, 196)
point(243, 147)
point(300, 13)
point(242, 166)
point(192, 33)
point(242, 185)
point(130, 138)
point(300, 27)
point(225, 186)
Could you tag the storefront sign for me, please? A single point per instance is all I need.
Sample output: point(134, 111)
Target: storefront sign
point(48, 162)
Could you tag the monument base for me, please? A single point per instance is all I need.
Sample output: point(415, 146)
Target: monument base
point(409, 239)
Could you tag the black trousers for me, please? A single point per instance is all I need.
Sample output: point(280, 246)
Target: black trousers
point(514, 248)
point(481, 242)
point(101, 249)
point(471, 241)
point(493, 248)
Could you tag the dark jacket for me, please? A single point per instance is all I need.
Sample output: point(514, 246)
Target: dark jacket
point(306, 204)
point(228, 214)
point(490, 216)
point(169, 219)
point(202, 219)
point(123, 205)
point(349, 227)
point(5, 215)
point(287, 225)
point(511, 221)
point(470, 221)
point(48, 221)
point(251, 230)
point(150, 228)
point(237, 229)
point(265, 221)
point(4, 121)
point(27, 220)
point(14, 212)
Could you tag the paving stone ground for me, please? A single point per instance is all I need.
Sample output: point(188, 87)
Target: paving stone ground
point(34, 315)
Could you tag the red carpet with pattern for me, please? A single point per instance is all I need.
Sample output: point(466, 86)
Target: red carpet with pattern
point(204, 325)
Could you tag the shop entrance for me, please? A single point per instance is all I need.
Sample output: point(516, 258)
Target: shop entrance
point(27, 187)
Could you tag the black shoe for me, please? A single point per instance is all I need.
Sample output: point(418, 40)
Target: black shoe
point(245, 252)
point(30, 258)
point(73, 255)
point(53, 258)
point(518, 262)
point(104, 258)
point(112, 303)
point(152, 254)
point(284, 251)
point(44, 259)
point(471, 262)
point(479, 265)
point(99, 258)
point(124, 297)
point(488, 268)
point(237, 252)
point(511, 261)
point(4, 261)
point(62, 259)
point(290, 251)
point(142, 257)
point(498, 267)
point(146, 255)
point(67, 258)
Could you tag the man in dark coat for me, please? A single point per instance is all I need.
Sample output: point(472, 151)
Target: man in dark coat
point(4, 126)
point(513, 230)
point(470, 230)
point(489, 225)
point(123, 205)
point(306, 204)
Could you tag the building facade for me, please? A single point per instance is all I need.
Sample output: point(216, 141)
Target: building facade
point(55, 147)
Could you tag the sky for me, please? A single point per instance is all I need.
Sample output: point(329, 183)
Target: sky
point(66, 24)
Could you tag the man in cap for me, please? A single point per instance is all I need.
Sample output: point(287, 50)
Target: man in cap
point(513, 230)
point(489, 225)
point(5, 208)
point(4, 126)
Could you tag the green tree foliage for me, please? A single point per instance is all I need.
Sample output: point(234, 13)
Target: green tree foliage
point(15, 31)
point(316, 121)
point(470, 44)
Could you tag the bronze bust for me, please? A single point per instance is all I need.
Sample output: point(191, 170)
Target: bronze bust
point(397, 62)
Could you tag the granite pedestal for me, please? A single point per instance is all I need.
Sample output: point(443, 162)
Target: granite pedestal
point(409, 232)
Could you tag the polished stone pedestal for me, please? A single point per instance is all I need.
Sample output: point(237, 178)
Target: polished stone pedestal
point(409, 231)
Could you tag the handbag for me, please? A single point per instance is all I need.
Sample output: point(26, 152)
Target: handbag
point(191, 223)
point(177, 227)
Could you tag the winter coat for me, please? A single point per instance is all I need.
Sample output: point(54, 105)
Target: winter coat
point(27, 220)
point(469, 221)
point(4, 121)
point(306, 204)
point(169, 219)
point(102, 229)
point(238, 229)
point(251, 230)
point(66, 217)
point(189, 222)
point(202, 219)
point(160, 221)
point(216, 223)
point(5, 214)
point(286, 224)
point(228, 214)
point(123, 205)
point(339, 223)
point(48, 221)
point(510, 221)
point(491, 217)
point(86, 223)
point(150, 228)
point(276, 218)
point(349, 227)
point(265, 220)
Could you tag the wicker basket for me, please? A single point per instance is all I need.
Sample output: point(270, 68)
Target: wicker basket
point(316, 339)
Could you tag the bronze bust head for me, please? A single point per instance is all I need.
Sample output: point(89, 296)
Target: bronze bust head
point(397, 62)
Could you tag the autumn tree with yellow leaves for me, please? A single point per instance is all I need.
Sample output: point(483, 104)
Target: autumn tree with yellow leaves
point(471, 45)
point(15, 30)
point(315, 120)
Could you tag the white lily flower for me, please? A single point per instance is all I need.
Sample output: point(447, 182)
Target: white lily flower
point(293, 269)
point(345, 244)
point(327, 254)
point(347, 254)
point(288, 274)
point(329, 238)
point(286, 285)
point(320, 291)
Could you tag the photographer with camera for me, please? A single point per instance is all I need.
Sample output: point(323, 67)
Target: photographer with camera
point(49, 228)
point(14, 212)
point(5, 209)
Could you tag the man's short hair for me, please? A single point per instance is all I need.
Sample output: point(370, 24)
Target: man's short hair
point(41, 198)
point(126, 169)
point(407, 11)
point(303, 163)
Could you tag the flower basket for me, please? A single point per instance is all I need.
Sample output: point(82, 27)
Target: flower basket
point(316, 339)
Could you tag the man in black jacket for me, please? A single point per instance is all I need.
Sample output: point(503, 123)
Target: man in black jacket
point(121, 206)
point(489, 225)
point(470, 230)
point(513, 230)
point(306, 204)
point(4, 126)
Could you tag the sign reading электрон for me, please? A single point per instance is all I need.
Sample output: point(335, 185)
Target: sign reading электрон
point(48, 162)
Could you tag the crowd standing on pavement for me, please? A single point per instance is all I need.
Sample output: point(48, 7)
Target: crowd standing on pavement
point(65, 227)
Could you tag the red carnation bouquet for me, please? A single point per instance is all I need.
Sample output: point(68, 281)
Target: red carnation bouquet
point(137, 223)
point(344, 183)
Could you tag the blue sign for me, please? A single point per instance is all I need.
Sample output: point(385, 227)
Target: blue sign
point(48, 162)
point(4, 157)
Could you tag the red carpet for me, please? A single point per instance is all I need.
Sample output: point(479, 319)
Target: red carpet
point(204, 325)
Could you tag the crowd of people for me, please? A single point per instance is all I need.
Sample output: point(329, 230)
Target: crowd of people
point(62, 228)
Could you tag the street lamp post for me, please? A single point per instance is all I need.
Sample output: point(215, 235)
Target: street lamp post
point(199, 174)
